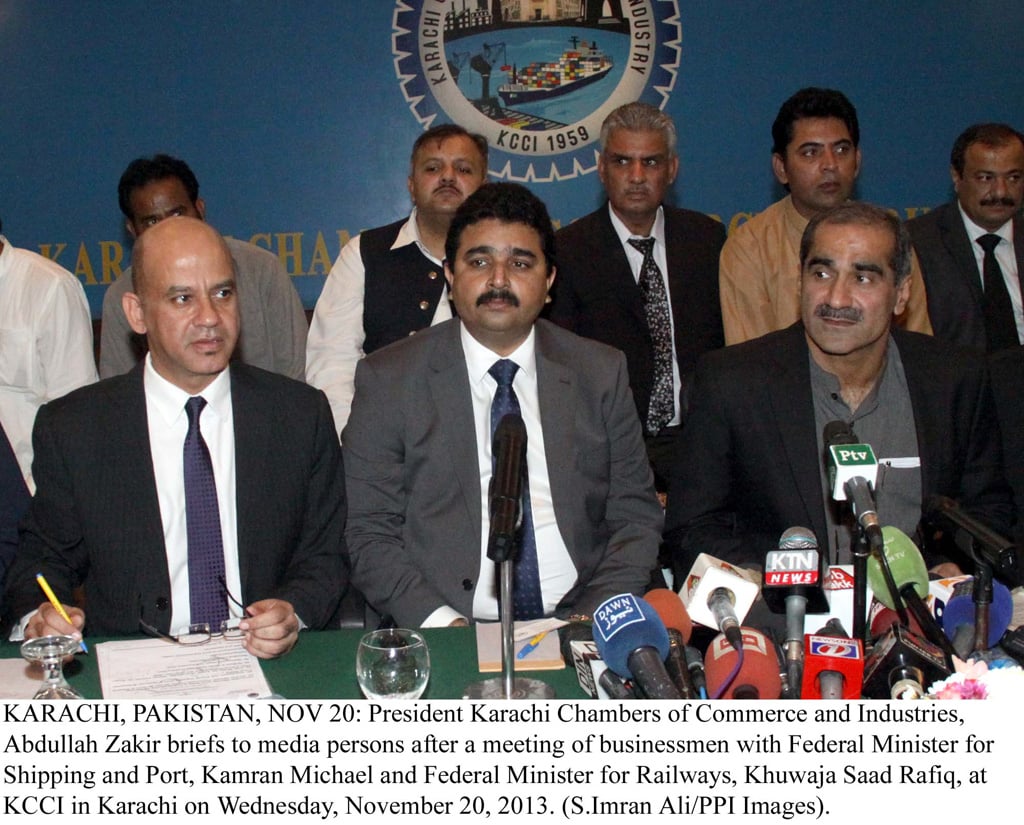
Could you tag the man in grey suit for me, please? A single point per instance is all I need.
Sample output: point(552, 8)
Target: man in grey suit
point(971, 250)
point(117, 465)
point(418, 451)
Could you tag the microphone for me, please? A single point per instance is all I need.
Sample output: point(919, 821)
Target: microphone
point(910, 576)
point(506, 490)
point(633, 642)
point(614, 685)
point(718, 595)
point(834, 667)
point(695, 664)
point(670, 610)
point(853, 474)
point(794, 576)
point(852, 470)
point(960, 616)
point(901, 665)
point(752, 675)
point(975, 539)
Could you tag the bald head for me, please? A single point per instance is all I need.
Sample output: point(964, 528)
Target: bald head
point(181, 237)
point(184, 301)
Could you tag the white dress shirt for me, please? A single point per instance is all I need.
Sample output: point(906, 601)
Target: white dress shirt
point(45, 342)
point(168, 426)
point(557, 571)
point(636, 260)
point(1007, 259)
point(336, 333)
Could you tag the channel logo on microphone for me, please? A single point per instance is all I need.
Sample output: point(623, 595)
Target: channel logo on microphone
point(617, 613)
point(788, 567)
point(833, 647)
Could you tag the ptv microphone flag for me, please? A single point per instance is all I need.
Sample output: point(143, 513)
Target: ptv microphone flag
point(850, 461)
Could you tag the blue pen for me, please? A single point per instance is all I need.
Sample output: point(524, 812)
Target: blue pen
point(531, 645)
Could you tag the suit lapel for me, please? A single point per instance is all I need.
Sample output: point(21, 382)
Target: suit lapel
point(252, 426)
point(556, 392)
point(614, 267)
point(449, 390)
point(792, 406)
point(142, 532)
point(955, 238)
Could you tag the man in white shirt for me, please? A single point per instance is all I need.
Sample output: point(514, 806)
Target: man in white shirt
point(116, 510)
point(418, 445)
point(388, 282)
point(974, 302)
point(46, 346)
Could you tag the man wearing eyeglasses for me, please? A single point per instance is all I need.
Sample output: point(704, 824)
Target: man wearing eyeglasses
point(190, 487)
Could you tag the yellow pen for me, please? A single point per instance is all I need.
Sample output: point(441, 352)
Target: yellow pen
point(531, 645)
point(43, 583)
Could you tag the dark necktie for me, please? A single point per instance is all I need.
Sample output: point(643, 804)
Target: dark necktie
point(661, 407)
point(207, 601)
point(1000, 325)
point(527, 598)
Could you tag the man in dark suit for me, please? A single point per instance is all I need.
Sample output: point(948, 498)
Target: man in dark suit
point(752, 459)
point(115, 507)
point(604, 290)
point(974, 295)
point(418, 444)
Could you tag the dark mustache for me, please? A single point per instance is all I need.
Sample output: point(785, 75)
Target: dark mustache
point(838, 313)
point(497, 295)
point(999, 202)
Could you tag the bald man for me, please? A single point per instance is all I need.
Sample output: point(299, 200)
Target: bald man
point(113, 511)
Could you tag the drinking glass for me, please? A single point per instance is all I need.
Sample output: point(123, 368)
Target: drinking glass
point(50, 652)
point(393, 664)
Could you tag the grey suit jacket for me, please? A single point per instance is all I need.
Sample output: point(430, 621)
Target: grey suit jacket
point(951, 275)
point(413, 481)
point(95, 519)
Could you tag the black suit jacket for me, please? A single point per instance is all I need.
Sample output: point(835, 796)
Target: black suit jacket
point(951, 275)
point(595, 294)
point(749, 466)
point(95, 519)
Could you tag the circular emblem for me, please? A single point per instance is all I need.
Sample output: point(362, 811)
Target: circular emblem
point(535, 77)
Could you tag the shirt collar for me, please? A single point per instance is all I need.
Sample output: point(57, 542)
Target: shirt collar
point(410, 234)
point(169, 400)
point(479, 359)
point(657, 231)
point(974, 231)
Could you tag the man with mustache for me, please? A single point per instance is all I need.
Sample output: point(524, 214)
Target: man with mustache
point(816, 157)
point(971, 250)
point(752, 459)
point(642, 276)
point(388, 282)
point(193, 488)
point(418, 445)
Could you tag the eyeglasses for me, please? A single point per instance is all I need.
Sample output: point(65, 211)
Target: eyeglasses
point(200, 633)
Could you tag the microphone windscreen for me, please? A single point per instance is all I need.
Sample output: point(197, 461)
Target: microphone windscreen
point(758, 678)
point(907, 566)
point(623, 624)
point(671, 611)
point(960, 610)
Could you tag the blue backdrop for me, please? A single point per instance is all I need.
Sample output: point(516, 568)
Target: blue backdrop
point(293, 118)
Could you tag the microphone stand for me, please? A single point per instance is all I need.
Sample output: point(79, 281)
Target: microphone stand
point(860, 586)
point(981, 593)
point(503, 550)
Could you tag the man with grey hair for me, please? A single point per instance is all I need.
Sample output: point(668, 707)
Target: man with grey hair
point(642, 276)
point(752, 459)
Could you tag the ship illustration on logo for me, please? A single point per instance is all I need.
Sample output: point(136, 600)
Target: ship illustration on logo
point(578, 66)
